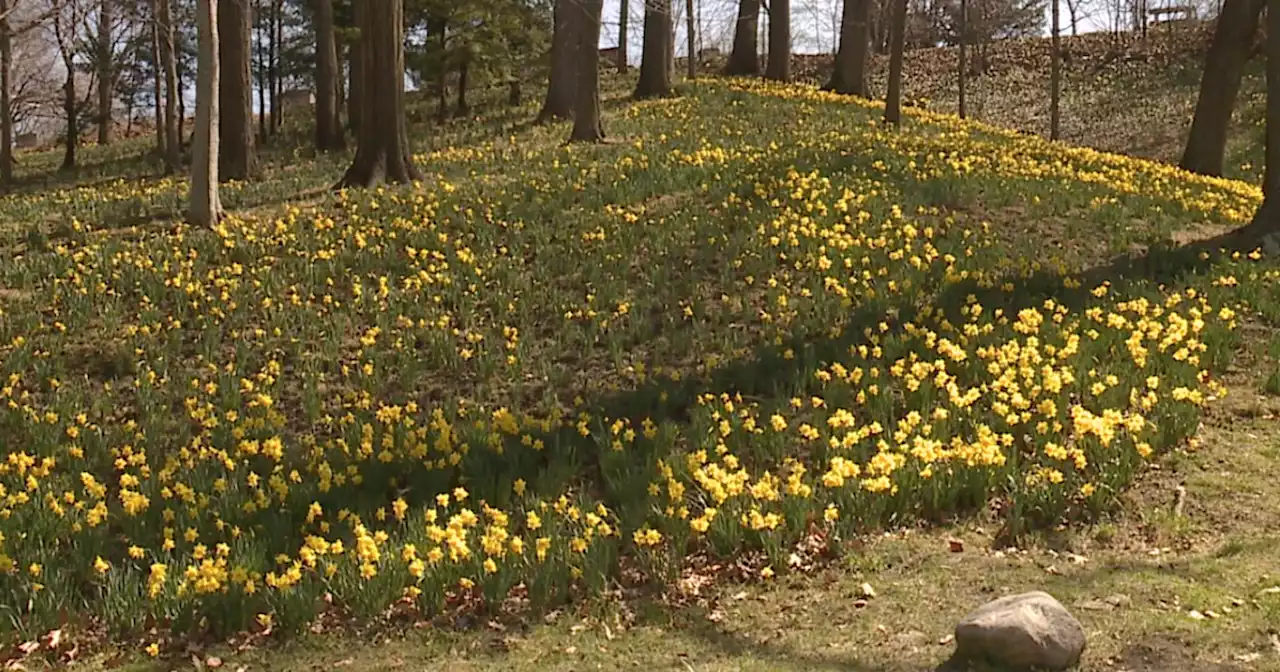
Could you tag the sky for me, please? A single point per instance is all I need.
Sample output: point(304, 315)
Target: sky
point(814, 24)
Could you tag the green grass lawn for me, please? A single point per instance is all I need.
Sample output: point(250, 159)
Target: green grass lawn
point(728, 348)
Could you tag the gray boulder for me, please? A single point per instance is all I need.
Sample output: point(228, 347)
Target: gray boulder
point(1031, 631)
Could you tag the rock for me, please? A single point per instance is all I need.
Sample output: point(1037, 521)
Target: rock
point(1027, 631)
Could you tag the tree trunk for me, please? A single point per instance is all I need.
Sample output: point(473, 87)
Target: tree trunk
point(1055, 73)
point(270, 37)
point(157, 80)
point(464, 70)
point(1224, 66)
point(235, 104)
point(515, 97)
point(655, 71)
point(691, 54)
point(779, 66)
point(893, 98)
point(587, 126)
point(355, 87)
point(1266, 221)
point(328, 124)
point(277, 82)
point(73, 127)
point(563, 84)
point(172, 142)
point(440, 28)
point(205, 208)
point(260, 56)
point(963, 70)
point(6, 115)
point(850, 74)
point(105, 71)
point(745, 57)
point(624, 11)
point(382, 144)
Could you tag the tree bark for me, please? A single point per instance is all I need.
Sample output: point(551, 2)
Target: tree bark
point(893, 98)
point(963, 70)
point(1266, 221)
point(6, 114)
point(691, 55)
point(157, 80)
point(355, 86)
point(382, 144)
point(655, 71)
point(260, 65)
point(745, 57)
point(464, 71)
point(587, 126)
point(1219, 86)
point(1055, 73)
point(328, 123)
point(779, 66)
point(205, 208)
point(277, 83)
point(562, 86)
point(172, 141)
point(850, 74)
point(235, 105)
point(106, 77)
point(624, 18)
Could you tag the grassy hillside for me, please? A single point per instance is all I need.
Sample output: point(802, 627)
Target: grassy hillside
point(1121, 93)
point(751, 330)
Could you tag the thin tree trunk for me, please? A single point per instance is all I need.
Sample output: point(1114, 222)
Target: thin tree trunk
point(690, 20)
point(464, 70)
point(73, 128)
point(260, 51)
point(205, 207)
point(1266, 221)
point(382, 144)
point(1055, 73)
point(235, 104)
point(355, 88)
point(6, 114)
point(745, 57)
point(587, 126)
point(158, 80)
point(441, 28)
point(562, 86)
point(779, 66)
point(273, 72)
point(655, 71)
point(624, 11)
point(172, 142)
point(897, 37)
point(105, 70)
point(964, 57)
point(1220, 85)
point(328, 124)
point(849, 77)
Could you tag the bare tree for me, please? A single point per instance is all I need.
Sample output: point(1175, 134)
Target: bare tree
point(587, 126)
point(106, 70)
point(1055, 74)
point(691, 55)
point(745, 57)
point(624, 18)
point(168, 61)
point(328, 123)
point(655, 70)
point(897, 39)
point(563, 84)
point(205, 208)
point(382, 143)
point(849, 76)
point(779, 66)
point(1220, 84)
